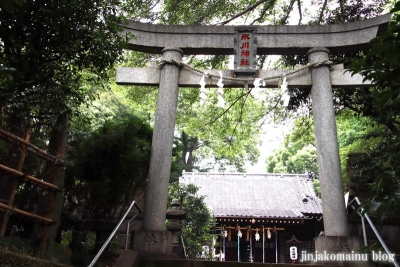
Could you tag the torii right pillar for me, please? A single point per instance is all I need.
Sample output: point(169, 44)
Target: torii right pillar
point(336, 239)
point(332, 194)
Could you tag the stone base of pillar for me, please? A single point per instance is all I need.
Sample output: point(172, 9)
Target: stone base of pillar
point(153, 244)
point(340, 250)
point(178, 251)
point(128, 258)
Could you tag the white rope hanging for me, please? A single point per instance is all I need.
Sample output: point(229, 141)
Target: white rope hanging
point(257, 236)
point(220, 93)
point(240, 233)
point(284, 90)
point(203, 90)
point(257, 83)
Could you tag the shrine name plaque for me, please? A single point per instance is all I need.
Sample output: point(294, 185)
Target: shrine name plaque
point(245, 46)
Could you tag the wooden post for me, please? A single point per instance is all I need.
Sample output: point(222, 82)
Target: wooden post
point(238, 244)
point(263, 244)
point(276, 244)
point(251, 245)
point(224, 243)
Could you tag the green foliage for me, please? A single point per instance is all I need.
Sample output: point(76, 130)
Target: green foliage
point(355, 134)
point(303, 160)
point(299, 153)
point(196, 228)
point(83, 256)
point(381, 65)
point(317, 187)
point(335, 12)
point(115, 158)
point(10, 5)
point(52, 49)
point(228, 134)
point(202, 12)
point(351, 10)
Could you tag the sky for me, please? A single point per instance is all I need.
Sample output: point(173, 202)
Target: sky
point(271, 140)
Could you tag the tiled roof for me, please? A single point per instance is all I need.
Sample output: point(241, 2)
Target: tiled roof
point(256, 195)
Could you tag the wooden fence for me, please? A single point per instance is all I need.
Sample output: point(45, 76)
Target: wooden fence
point(18, 175)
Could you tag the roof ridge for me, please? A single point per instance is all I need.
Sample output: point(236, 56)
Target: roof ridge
point(310, 191)
point(243, 174)
point(256, 195)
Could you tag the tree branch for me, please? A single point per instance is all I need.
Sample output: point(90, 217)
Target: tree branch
point(270, 4)
point(271, 109)
point(285, 18)
point(322, 12)
point(250, 8)
point(240, 118)
point(300, 13)
point(230, 106)
point(342, 16)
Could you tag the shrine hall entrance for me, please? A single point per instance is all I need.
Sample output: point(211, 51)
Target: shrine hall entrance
point(274, 249)
point(256, 253)
point(255, 222)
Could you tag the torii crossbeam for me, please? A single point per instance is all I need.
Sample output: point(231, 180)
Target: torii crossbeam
point(150, 76)
point(317, 42)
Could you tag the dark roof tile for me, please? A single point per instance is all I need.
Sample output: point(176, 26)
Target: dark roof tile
point(256, 195)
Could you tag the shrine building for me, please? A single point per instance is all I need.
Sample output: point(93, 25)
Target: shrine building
point(260, 216)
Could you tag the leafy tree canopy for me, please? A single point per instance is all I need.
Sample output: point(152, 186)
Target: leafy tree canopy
point(113, 158)
point(196, 228)
point(381, 65)
point(49, 48)
point(298, 154)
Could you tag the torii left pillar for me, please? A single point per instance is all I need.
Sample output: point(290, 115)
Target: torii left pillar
point(153, 241)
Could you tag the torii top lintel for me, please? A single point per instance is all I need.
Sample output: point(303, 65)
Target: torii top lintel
point(271, 40)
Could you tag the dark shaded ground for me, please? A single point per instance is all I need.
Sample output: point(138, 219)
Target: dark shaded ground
point(107, 259)
point(16, 259)
point(13, 259)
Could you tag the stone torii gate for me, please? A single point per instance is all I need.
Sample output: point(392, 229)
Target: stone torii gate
point(317, 42)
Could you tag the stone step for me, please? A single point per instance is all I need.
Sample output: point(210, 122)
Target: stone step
point(193, 263)
point(131, 259)
point(128, 258)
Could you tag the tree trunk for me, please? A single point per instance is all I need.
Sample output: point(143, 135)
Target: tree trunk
point(184, 146)
point(51, 204)
point(192, 148)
